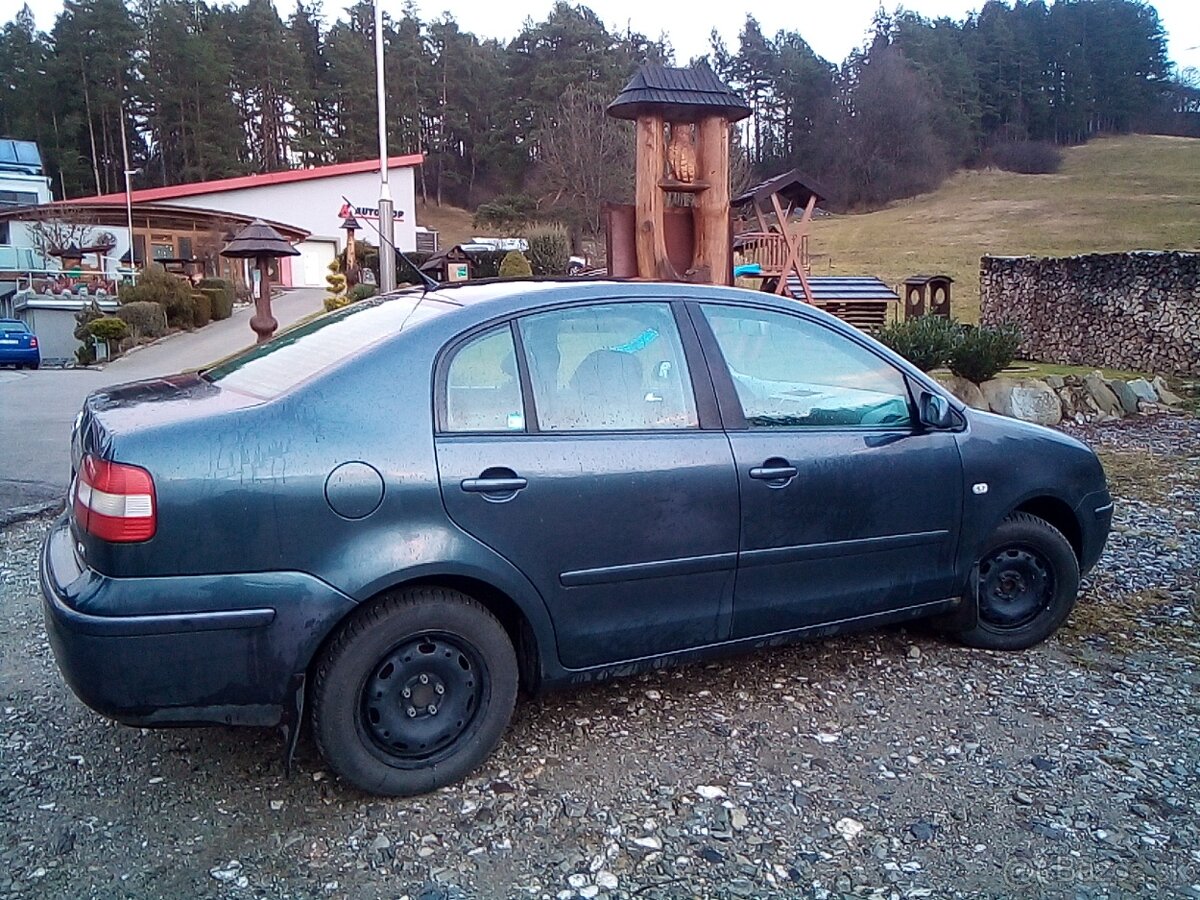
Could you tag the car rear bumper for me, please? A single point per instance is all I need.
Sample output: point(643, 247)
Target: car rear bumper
point(185, 663)
point(10, 357)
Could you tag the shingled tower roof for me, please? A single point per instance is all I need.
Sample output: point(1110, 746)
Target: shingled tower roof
point(678, 95)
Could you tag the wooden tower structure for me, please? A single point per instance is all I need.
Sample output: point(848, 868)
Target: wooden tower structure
point(683, 118)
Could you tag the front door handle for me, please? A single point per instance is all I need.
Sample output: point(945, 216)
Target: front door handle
point(774, 471)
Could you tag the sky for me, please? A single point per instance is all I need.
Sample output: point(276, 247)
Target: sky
point(832, 27)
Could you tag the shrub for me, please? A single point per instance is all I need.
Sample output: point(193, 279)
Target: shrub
point(926, 342)
point(549, 250)
point(506, 211)
point(336, 290)
point(220, 293)
point(515, 265)
point(979, 353)
point(145, 319)
point(156, 285)
point(486, 264)
point(85, 354)
point(108, 328)
point(1025, 157)
point(362, 292)
point(201, 308)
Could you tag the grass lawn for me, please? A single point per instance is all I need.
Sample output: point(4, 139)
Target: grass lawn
point(1138, 192)
point(453, 223)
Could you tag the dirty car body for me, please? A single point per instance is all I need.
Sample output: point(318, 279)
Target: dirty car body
point(609, 476)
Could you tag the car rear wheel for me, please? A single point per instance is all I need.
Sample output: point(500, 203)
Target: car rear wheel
point(1028, 584)
point(414, 692)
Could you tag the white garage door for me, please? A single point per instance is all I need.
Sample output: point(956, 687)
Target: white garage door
point(312, 265)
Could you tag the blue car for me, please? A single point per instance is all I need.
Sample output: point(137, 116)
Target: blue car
point(393, 517)
point(18, 345)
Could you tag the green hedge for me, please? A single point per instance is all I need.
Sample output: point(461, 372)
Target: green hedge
point(220, 294)
point(201, 309)
point(145, 319)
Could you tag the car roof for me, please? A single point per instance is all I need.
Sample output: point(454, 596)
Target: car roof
point(499, 296)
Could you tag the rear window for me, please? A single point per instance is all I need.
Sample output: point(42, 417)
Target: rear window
point(13, 328)
point(270, 369)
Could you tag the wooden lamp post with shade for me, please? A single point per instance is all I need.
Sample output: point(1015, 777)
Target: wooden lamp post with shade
point(350, 224)
point(262, 243)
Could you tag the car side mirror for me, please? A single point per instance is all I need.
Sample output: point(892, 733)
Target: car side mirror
point(935, 411)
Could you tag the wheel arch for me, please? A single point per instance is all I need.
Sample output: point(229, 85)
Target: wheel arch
point(1058, 513)
point(521, 630)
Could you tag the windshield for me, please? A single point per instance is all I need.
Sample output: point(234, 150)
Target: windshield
point(270, 369)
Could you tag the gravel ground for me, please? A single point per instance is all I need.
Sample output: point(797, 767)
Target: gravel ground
point(890, 764)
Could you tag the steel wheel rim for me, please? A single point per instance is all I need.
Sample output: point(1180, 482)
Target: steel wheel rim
point(1016, 585)
point(421, 697)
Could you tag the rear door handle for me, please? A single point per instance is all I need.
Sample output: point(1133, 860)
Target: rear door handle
point(493, 485)
point(775, 471)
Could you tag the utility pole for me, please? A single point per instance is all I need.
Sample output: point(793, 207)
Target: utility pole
point(387, 221)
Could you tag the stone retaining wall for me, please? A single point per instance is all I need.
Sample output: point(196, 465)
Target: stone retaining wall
point(1138, 311)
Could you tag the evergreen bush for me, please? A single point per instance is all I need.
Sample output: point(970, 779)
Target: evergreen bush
point(549, 250)
point(505, 212)
point(926, 342)
point(220, 293)
point(145, 319)
point(515, 265)
point(1026, 157)
point(108, 328)
point(156, 285)
point(201, 308)
point(336, 290)
point(361, 292)
point(980, 353)
point(85, 354)
point(486, 264)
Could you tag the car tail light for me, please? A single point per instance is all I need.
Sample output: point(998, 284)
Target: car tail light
point(115, 502)
point(32, 343)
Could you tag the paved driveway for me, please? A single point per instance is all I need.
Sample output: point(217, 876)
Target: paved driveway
point(37, 408)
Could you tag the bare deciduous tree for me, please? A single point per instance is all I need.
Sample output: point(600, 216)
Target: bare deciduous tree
point(586, 159)
point(50, 234)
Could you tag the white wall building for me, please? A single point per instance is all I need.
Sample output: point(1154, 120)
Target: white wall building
point(311, 200)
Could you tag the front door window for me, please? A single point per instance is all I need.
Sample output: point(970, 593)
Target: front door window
point(789, 373)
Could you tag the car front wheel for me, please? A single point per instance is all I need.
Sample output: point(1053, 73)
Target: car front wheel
point(414, 692)
point(1028, 584)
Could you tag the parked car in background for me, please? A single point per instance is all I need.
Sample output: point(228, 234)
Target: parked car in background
point(396, 514)
point(18, 345)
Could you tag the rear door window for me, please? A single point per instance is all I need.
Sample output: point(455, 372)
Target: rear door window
point(483, 389)
point(612, 367)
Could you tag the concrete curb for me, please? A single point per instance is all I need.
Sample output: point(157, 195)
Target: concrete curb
point(22, 513)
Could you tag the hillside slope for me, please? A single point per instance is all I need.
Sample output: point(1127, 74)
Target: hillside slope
point(1136, 192)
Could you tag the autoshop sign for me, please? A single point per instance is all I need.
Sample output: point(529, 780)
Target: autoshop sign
point(364, 212)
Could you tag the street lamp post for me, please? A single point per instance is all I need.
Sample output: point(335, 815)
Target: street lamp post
point(128, 192)
point(387, 222)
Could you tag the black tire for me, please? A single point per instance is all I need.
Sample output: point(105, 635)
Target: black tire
point(1028, 584)
point(452, 658)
